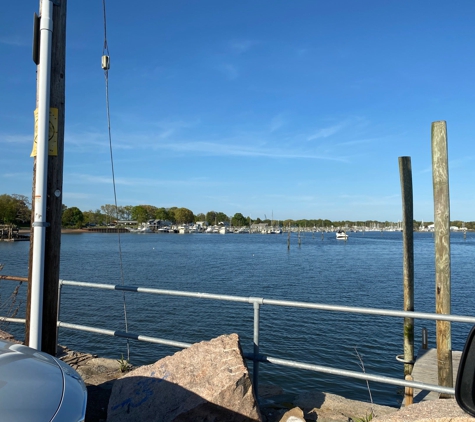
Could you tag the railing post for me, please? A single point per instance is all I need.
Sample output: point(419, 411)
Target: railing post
point(255, 362)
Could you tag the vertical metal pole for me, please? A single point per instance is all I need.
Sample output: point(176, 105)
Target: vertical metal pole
point(39, 223)
point(58, 309)
point(255, 362)
point(425, 340)
point(405, 173)
point(440, 178)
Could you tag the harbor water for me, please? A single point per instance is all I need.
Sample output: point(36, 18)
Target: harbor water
point(364, 271)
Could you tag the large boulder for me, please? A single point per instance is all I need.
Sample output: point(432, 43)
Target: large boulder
point(207, 382)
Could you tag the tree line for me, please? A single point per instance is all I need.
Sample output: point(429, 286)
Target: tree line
point(16, 209)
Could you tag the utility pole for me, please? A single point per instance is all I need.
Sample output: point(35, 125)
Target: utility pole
point(54, 188)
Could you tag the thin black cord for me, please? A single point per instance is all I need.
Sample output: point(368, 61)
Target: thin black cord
point(105, 51)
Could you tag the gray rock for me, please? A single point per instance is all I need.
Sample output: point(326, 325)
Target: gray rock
point(330, 407)
point(207, 382)
point(444, 410)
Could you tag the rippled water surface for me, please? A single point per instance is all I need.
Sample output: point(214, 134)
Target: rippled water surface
point(364, 271)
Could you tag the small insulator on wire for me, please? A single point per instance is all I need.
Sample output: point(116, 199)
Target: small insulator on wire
point(105, 62)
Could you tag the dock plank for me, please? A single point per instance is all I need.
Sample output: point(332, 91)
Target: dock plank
point(425, 370)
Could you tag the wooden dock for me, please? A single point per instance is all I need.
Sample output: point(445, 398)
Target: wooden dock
point(107, 230)
point(425, 370)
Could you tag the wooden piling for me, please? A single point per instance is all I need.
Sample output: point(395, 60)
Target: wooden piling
point(408, 392)
point(440, 178)
point(405, 173)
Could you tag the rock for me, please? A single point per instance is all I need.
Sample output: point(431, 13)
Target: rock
point(293, 415)
point(326, 407)
point(444, 410)
point(207, 382)
point(8, 337)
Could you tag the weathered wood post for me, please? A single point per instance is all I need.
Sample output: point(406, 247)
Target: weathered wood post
point(405, 173)
point(440, 178)
point(54, 189)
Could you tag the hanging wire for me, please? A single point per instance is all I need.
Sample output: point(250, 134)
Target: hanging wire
point(105, 66)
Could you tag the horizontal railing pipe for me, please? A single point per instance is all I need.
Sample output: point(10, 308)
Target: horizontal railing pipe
point(124, 334)
point(15, 320)
point(269, 359)
point(293, 304)
point(354, 374)
point(257, 301)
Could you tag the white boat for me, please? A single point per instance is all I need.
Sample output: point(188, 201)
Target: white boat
point(183, 229)
point(341, 235)
point(141, 229)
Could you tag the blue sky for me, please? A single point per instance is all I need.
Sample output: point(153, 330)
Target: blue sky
point(296, 108)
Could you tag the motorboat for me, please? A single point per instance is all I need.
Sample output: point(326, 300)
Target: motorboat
point(341, 235)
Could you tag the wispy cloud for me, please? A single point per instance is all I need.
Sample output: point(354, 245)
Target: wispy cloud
point(328, 131)
point(80, 178)
point(358, 142)
point(230, 71)
point(460, 162)
point(212, 148)
point(18, 175)
point(16, 139)
point(277, 122)
point(370, 200)
point(242, 46)
point(14, 40)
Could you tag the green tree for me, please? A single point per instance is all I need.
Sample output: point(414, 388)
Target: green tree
point(239, 220)
point(162, 214)
point(142, 213)
point(110, 212)
point(211, 218)
point(184, 215)
point(200, 217)
point(171, 214)
point(15, 209)
point(221, 217)
point(139, 213)
point(72, 217)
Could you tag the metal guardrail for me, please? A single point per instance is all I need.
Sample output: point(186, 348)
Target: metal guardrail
point(256, 357)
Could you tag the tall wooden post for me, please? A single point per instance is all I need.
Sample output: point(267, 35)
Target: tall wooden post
point(405, 173)
point(54, 188)
point(440, 177)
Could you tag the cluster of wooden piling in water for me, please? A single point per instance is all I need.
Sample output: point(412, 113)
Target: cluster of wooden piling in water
point(10, 233)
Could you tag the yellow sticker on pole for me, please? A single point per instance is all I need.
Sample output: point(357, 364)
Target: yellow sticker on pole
point(52, 133)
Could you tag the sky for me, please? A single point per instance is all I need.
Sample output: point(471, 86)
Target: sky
point(296, 109)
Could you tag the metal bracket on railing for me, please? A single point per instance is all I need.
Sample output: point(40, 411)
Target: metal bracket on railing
point(259, 300)
point(41, 224)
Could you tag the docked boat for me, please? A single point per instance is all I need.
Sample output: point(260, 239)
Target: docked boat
point(144, 228)
point(341, 235)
